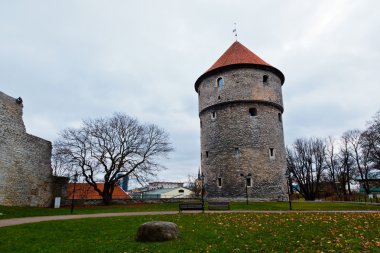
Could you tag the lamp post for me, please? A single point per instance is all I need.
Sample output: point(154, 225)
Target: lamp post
point(75, 179)
point(246, 183)
point(288, 176)
point(202, 190)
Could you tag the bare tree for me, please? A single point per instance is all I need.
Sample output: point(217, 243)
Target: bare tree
point(346, 163)
point(307, 162)
point(108, 149)
point(60, 167)
point(194, 184)
point(360, 154)
point(371, 139)
point(334, 170)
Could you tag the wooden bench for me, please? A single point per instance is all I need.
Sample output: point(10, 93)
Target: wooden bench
point(190, 206)
point(218, 205)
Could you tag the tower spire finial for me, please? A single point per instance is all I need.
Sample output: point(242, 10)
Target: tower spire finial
point(235, 31)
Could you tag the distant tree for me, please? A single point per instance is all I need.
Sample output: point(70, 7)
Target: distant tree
point(194, 184)
point(346, 163)
point(306, 161)
point(371, 140)
point(108, 149)
point(360, 154)
point(335, 174)
point(356, 154)
point(60, 167)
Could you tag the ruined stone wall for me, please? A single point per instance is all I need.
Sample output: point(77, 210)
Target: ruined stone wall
point(234, 142)
point(25, 165)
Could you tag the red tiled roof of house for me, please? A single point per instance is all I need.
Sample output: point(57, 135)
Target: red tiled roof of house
point(237, 54)
point(86, 191)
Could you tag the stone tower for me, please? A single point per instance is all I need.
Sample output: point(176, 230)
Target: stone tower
point(242, 139)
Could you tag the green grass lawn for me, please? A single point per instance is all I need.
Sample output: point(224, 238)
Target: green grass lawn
point(304, 206)
point(15, 212)
point(219, 232)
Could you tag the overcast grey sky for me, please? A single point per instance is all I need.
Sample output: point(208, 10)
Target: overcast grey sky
point(71, 60)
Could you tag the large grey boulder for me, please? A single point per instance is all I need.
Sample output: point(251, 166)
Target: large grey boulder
point(157, 231)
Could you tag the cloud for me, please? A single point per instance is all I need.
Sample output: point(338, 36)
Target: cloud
point(72, 60)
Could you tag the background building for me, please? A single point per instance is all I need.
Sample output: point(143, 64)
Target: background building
point(160, 185)
point(168, 193)
point(373, 179)
point(84, 191)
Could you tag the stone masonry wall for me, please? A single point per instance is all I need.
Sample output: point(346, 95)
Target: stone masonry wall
point(25, 165)
point(240, 84)
point(238, 143)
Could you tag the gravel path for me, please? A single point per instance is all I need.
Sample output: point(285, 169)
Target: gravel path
point(17, 221)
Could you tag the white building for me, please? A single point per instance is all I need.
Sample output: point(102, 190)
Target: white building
point(168, 193)
point(163, 185)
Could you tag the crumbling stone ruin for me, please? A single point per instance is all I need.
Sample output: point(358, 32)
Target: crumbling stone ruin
point(25, 160)
point(242, 139)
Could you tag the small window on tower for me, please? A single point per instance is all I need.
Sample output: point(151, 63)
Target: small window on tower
point(219, 182)
point(206, 154)
point(249, 182)
point(265, 79)
point(213, 115)
point(237, 151)
point(279, 117)
point(271, 152)
point(219, 82)
point(253, 112)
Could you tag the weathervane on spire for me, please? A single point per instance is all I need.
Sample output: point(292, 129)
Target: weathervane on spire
point(235, 31)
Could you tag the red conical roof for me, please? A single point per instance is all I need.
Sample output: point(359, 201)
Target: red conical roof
point(237, 54)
